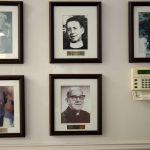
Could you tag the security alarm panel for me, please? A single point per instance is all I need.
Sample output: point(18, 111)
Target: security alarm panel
point(140, 83)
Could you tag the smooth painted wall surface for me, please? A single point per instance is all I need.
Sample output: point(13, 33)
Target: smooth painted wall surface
point(124, 120)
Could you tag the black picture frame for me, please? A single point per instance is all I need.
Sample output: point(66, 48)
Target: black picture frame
point(138, 32)
point(91, 54)
point(12, 32)
point(13, 84)
point(62, 82)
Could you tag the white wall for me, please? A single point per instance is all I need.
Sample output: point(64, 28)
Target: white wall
point(124, 121)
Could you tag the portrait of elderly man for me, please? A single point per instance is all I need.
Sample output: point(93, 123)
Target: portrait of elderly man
point(75, 33)
point(74, 114)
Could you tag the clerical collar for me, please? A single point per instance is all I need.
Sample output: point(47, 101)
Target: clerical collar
point(76, 45)
point(75, 112)
point(78, 113)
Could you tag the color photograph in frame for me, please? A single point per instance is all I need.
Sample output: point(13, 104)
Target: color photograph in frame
point(11, 32)
point(12, 115)
point(139, 32)
point(75, 32)
point(75, 104)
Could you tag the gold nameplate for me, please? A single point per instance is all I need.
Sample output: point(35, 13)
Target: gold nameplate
point(75, 53)
point(3, 129)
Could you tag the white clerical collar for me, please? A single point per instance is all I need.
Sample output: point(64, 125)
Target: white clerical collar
point(76, 45)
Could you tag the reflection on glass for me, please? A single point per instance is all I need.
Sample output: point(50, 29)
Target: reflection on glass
point(5, 32)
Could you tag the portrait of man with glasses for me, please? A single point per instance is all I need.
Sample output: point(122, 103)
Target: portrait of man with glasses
point(74, 113)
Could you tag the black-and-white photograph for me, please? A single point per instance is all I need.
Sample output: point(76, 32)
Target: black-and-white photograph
point(74, 99)
point(75, 34)
point(75, 104)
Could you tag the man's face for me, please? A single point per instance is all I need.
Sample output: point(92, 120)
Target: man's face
point(74, 31)
point(76, 99)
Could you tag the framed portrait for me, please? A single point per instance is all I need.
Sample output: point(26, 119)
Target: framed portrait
point(139, 32)
point(75, 104)
point(75, 32)
point(12, 108)
point(11, 32)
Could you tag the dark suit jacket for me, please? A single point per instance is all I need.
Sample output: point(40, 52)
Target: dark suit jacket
point(70, 116)
point(66, 45)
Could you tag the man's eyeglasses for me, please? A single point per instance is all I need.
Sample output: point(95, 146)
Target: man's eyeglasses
point(81, 97)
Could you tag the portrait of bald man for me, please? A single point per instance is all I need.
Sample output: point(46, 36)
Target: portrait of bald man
point(75, 99)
